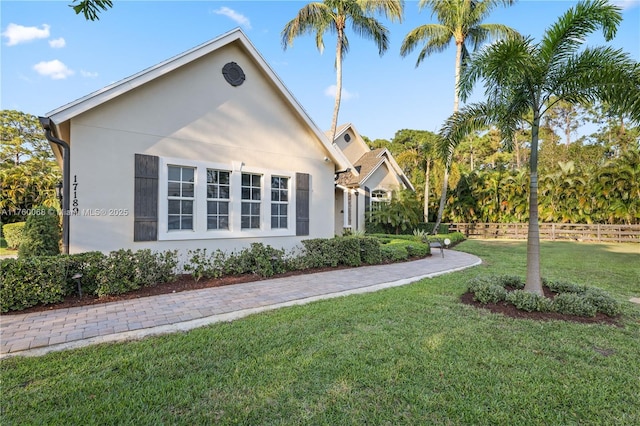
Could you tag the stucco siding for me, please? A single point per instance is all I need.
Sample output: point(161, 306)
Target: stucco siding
point(190, 114)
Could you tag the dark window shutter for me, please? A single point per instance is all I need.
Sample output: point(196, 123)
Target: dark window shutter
point(367, 199)
point(145, 225)
point(302, 203)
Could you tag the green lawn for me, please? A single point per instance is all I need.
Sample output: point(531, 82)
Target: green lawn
point(407, 355)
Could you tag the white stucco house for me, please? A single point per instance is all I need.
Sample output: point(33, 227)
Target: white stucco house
point(208, 149)
point(370, 178)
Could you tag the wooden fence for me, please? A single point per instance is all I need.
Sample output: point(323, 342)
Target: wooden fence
point(552, 231)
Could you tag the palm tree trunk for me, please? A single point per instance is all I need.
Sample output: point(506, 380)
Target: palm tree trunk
point(426, 191)
point(534, 281)
point(456, 102)
point(336, 108)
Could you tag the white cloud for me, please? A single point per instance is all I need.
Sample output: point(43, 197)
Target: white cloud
point(57, 43)
point(17, 34)
point(54, 69)
point(239, 18)
point(88, 74)
point(626, 4)
point(346, 95)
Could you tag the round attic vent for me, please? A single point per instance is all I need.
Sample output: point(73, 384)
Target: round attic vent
point(347, 137)
point(233, 74)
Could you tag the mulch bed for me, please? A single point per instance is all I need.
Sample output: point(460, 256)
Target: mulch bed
point(509, 310)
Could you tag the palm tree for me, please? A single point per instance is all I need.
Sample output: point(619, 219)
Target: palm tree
point(460, 21)
point(521, 76)
point(333, 15)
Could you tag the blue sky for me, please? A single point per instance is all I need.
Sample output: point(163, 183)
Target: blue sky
point(50, 56)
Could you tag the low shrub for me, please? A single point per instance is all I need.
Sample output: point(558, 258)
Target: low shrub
point(13, 234)
point(510, 281)
point(89, 264)
point(574, 304)
point(603, 302)
point(370, 253)
point(529, 302)
point(203, 265)
point(394, 253)
point(489, 293)
point(318, 253)
point(259, 259)
point(564, 287)
point(31, 281)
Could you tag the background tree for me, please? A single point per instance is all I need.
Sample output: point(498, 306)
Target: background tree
point(332, 16)
point(521, 77)
point(460, 22)
point(28, 170)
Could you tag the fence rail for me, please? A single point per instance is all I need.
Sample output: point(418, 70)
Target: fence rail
point(552, 231)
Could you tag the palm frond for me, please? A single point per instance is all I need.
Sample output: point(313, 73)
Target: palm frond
point(570, 31)
point(312, 18)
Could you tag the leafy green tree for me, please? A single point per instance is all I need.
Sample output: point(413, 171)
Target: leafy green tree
point(402, 212)
point(28, 171)
point(332, 16)
point(460, 22)
point(521, 76)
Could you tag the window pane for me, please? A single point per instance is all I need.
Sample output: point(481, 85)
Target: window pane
point(173, 189)
point(255, 194)
point(283, 209)
point(255, 209)
point(246, 179)
point(245, 209)
point(187, 222)
point(274, 195)
point(174, 173)
point(246, 194)
point(224, 192)
point(212, 191)
point(274, 222)
point(174, 222)
point(212, 207)
point(223, 208)
point(284, 196)
point(187, 207)
point(255, 222)
point(211, 176)
point(274, 209)
point(224, 222)
point(223, 178)
point(187, 174)
point(255, 180)
point(212, 223)
point(174, 207)
point(283, 222)
point(187, 190)
point(244, 222)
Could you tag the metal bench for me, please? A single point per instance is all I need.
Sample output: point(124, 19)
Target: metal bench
point(441, 244)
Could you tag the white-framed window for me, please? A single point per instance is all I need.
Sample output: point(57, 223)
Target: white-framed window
point(218, 194)
point(251, 201)
point(279, 202)
point(228, 200)
point(378, 196)
point(180, 197)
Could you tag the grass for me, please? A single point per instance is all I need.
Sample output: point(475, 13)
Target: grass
point(406, 355)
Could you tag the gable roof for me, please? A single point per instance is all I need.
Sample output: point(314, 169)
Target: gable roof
point(67, 112)
point(368, 164)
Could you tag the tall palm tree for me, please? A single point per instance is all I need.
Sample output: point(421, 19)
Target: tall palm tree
point(332, 16)
point(521, 76)
point(460, 21)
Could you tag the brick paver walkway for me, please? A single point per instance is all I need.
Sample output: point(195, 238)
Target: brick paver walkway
point(42, 332)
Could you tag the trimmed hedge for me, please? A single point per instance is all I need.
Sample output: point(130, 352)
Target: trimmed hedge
point(30, 281)
point(41, 233)
point(13, 234)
